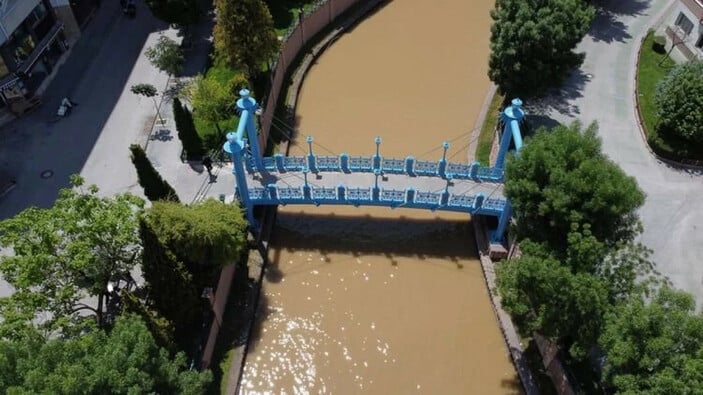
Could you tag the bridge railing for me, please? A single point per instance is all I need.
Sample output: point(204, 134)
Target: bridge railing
point(394, 198)
point(365, 164)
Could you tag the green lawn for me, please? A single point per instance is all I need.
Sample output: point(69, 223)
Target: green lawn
point(485, 139)
point(285, 12)
point(652, 68)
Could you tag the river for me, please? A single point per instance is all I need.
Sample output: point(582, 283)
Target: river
point(374, 300)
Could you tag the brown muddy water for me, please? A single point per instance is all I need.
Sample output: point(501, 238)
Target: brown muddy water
point(381, 301)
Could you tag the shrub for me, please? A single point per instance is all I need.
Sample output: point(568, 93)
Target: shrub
point(659, 43)
point(679, 100)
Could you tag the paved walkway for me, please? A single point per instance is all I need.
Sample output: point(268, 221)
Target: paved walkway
point(602, 90)
point(94, 139)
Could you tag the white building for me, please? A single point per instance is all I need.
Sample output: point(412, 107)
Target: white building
point(684, 30)
point(34, 38)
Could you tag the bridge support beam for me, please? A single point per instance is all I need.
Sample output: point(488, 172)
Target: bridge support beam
point(235, 147)
point(377, 158)
point(312, 165)
point(442, 166)
point(498, 235)
point(410, 196)
point(409, 164)
point(511, 117)
point(279, 162)
point(247, 107)
point(344, 163)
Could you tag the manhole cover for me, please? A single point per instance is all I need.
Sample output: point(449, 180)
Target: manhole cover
point(46, 174)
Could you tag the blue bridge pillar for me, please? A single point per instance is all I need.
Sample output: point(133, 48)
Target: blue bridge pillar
point(511, 118)
point(247, 107)
point(235, 147)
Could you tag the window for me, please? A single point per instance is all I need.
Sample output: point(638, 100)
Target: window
point(699, 43)
point(37, 14)
point(684, 23)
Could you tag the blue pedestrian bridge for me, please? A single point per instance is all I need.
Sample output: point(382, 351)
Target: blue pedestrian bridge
point(371, 180)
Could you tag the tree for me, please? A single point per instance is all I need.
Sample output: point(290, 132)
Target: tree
point(545, 296)
point(178, 12)
point(532, 43)
point(205, 236)
point(184, 248)
point(244, 34)
point(192, 144)
point(66, 253)
point(212, 101)
point(124, 360)
point(679, 100)
point(166, 55)
point(155, 187)
point(655, 347)
point(560, 179)
point(171, 290)
point(148, 90)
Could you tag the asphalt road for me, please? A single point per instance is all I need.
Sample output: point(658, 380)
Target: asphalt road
point(602, 90)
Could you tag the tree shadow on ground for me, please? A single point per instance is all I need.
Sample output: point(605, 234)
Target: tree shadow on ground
point(237, 322)
point(607, 25)
point(561, 100)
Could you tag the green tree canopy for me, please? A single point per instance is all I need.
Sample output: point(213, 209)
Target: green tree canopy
point(532, 43)
point(178, 12)
point(166, 55)
point(561, 179)
point(184, 247)
point(213, 102)
point(679, 100)
point(656, 347)
point(155, 187)
point(207, 233)
point(123, 360)
point(65, 253)
point(244, 34)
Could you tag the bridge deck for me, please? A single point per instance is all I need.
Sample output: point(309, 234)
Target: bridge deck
point(462, 194)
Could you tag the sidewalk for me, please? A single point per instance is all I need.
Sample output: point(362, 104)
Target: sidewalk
point(602, 90)
point(190, 180)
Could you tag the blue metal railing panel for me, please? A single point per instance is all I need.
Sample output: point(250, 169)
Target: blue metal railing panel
point(358, 194)
point(295, 163)
point(427, 197)
point(360, 163)
point(327, 163)
point(490, 173)
point(290, 193)
point(424, 168)
point(459, 170)
point(322, 193)
point(461, 201)
point(269, 163)
point(393, 165)
point(392, 195)
point(258, 194)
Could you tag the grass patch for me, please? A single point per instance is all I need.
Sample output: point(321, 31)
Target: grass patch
point(485, 139)
point(652, 68)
